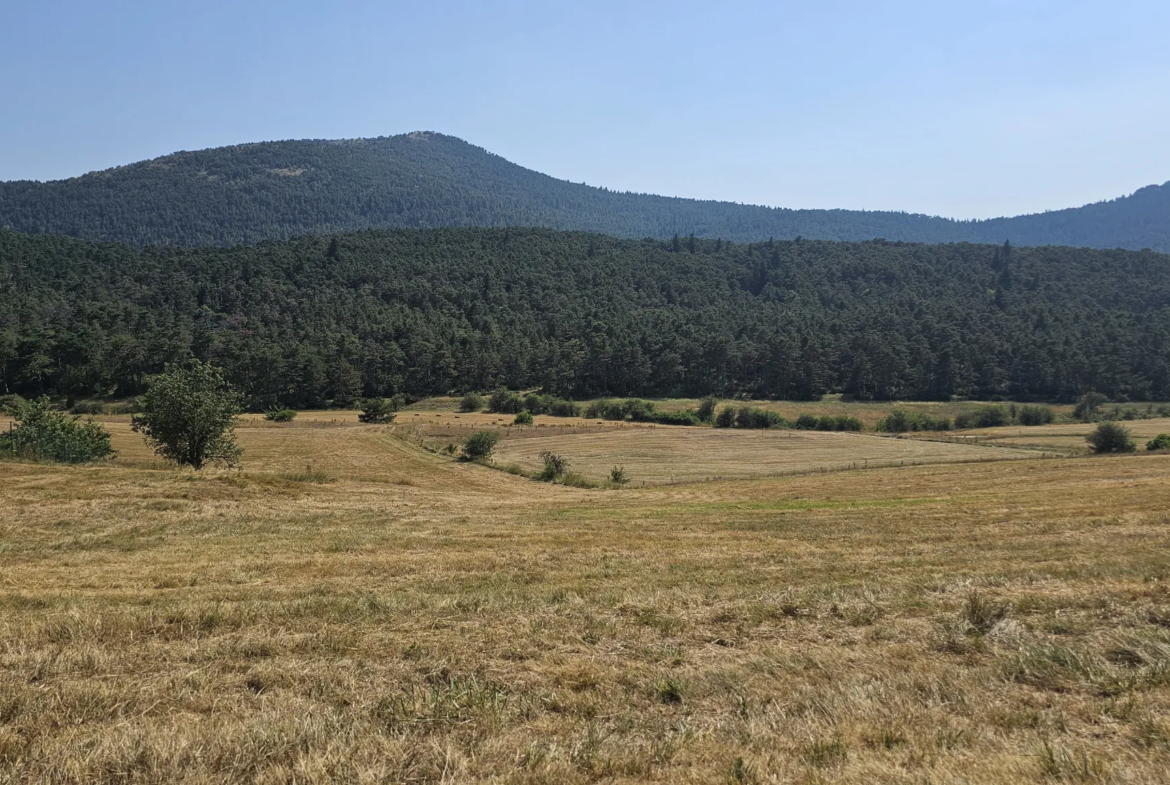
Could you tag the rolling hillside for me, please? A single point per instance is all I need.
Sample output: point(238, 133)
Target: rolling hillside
point(277, 190)
point(317, 319)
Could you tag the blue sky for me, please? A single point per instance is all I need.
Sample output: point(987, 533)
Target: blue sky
point(964, 109)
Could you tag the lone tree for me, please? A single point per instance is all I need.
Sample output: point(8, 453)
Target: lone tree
point(188, 415)
point(1111, 437)
point(378, 411)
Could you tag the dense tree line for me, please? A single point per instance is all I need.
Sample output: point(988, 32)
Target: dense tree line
point(303, 322)
point(279, 190)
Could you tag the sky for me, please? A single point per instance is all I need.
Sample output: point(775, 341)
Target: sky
point(962, 109)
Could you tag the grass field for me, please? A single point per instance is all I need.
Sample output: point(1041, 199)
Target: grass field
point(353, 608)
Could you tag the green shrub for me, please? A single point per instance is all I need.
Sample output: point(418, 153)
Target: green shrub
point(685, 417)
point(842, 423)
point(189, 414)
point(9, 402)
point(1087, 407)
point(88, 407)
point(1035, 415)
point(1111, 437)
point(479, 445)
point(606, 409)
point(902, 421)
point(706, 410)
point(377, 411)
point(983, 417)
point(551, 405)
point(472, 402)
point(280, 415)
point(752, 417)
point(555, 466)
point(806, 422)
point(1159, 442)
point(617, 475)
point(523, 418)
point(559, 407)
point(43, 434)
point(726, 417)
point(505, 402)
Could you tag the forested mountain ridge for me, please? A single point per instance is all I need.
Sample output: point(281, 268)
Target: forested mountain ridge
point(279, 190)
point(318, 319)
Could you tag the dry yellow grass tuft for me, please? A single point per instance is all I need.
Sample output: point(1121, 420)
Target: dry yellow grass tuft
point(394, 616)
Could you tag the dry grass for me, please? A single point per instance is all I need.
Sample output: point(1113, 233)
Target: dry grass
point(1065, 437)
point(418, 620)
point(654, 456)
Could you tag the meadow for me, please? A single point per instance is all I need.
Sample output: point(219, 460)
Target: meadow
point(355, 606)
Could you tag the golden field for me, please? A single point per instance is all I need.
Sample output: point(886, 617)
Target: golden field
point(353, 608)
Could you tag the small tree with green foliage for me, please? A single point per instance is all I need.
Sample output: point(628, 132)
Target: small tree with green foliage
point(472, 402)
point(506, 402)
point(1035, 415)
point(43, 434)
point(189, 414)
point(555, 466)
point(706, 410)
point(617, 475)
point(479, 445)
point(280, 415)
point(1087, 406)
point(1111, 437)
point(523, 418)
point(1159, 442)
point(377, 411)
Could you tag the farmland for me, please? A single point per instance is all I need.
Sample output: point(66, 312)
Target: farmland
point(355, 606)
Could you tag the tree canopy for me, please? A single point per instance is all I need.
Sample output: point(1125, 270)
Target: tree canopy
point(304, 322)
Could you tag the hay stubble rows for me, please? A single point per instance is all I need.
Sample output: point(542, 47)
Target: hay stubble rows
point(411, 619)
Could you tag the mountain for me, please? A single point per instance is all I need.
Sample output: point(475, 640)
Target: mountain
point(278, 190)
point(316, 319)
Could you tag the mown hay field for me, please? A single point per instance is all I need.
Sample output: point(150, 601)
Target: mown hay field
point(671, 454)
point(396, 616)
point(1065, 437)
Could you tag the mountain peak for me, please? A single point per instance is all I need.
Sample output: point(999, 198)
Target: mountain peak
point(423, 179)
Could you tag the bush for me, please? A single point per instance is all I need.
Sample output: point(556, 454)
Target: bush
point(505, 402)
point(472, 402)
point(377, 411)
point(1111, 437)
point(1087, 406)
point(189, 414)
point(983, 417)
point(523, 418)
point(551, 405)
point(902, 421)
point(479, 445)
point(1035, 415)
point(806, 422)
point(280, 415)
point(751, 417)
point(43, 434)
point(685, 417)
point(555, 466)
point(88, 407)
point(1159, 442)
point(726, 417)
point(706, 410)
point(606, 410)
point(841, 423)
point(617, 475)
point(559, 407)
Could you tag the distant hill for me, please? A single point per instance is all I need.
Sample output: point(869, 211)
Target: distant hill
point(278, 190)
